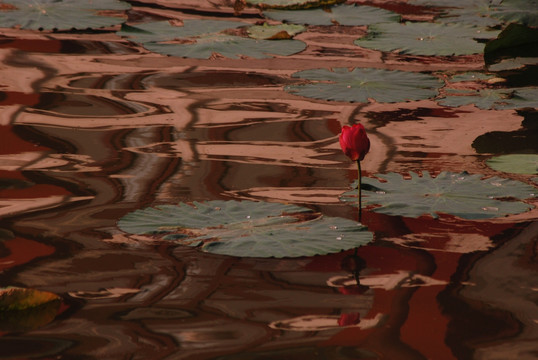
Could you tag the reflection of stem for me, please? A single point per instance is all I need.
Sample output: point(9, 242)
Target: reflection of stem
point(359, 189)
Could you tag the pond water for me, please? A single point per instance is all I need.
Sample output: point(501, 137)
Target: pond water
point(94, 127)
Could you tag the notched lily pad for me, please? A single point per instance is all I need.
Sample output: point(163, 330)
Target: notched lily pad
point(350, 15)
point(515, 163)
point(61, 14)
point(362, 84)
point(201, 39)
point(460, 194)
point(26, 309)
point(248, 228)
point(514, 98)
point(425, 38)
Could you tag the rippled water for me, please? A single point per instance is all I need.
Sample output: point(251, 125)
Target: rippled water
point(94, 127)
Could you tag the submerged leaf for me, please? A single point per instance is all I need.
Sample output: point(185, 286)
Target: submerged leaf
point(464, 195)
point(61, 14)
point(515, 163)
point(248, 228)
point(201, 39)
point(350, 15)
point(360, 85)
point(26, 309)
point(424, 38)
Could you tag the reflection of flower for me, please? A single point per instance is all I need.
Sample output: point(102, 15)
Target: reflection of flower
point(354, 142)
point(349, 319)
point(353, 289)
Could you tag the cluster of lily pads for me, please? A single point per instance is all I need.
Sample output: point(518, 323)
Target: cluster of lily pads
point(261, 229)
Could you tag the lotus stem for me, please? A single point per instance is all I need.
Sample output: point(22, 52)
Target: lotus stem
point(359, 190)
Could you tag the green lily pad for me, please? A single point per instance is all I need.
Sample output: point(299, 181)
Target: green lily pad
point(350, 15)
point(61, 14)
point(514, 41)
point(26, 309)
point(424, 38)
point(461, 194)
point(201, 39)
point(523, 12)
point(362, 84)
point(486, 12)
point(470, 12)
point(248, 228)
point(291, 4)
point(515, 163)
point(471, 76)
point(515, 98)
point(270, 32)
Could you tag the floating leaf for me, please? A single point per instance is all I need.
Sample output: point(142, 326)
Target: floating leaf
point(424, 38)
point(513, 64)
point(270, 32)
point(350, 15)
point(516, 98)
point(514, 41)
point(463, 195)
point(471, 12)
point(360, 85)
point(61, 14)
point(291, 4)
point(201, 39)
point(515, 163)
point(471, 76)
point(518, 11)
point(248, 228)
point(26, 309)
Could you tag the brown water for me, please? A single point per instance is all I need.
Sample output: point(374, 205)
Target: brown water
point(94, 127)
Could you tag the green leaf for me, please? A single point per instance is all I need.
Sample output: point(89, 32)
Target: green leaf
point(26, 309)
point(159, 31)
point(469, 12)
point(518, 11)
point(350, 15)
point(248, 228)
point(291, 4)
point(514, 41)
point(360, 85)
point(282, 31)
point(61, 14)
point(424, 38)
point(515, 98)
point(460, 194)
point(515, 163)
point(201, 39)
point(471, 76)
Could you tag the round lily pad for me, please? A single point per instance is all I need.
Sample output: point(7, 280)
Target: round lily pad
point(515, 163)
point(248, 228)
point(515, 98)
point(201, 39)
point(461, 194)
point(471, 12)
point(424, 38)
point(61, 14)
point(362, 84)
point(350, 15)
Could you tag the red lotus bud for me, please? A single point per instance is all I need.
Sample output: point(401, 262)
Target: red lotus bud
point(354, 142)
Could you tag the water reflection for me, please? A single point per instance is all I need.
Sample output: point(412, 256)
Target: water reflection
point(90, 138)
